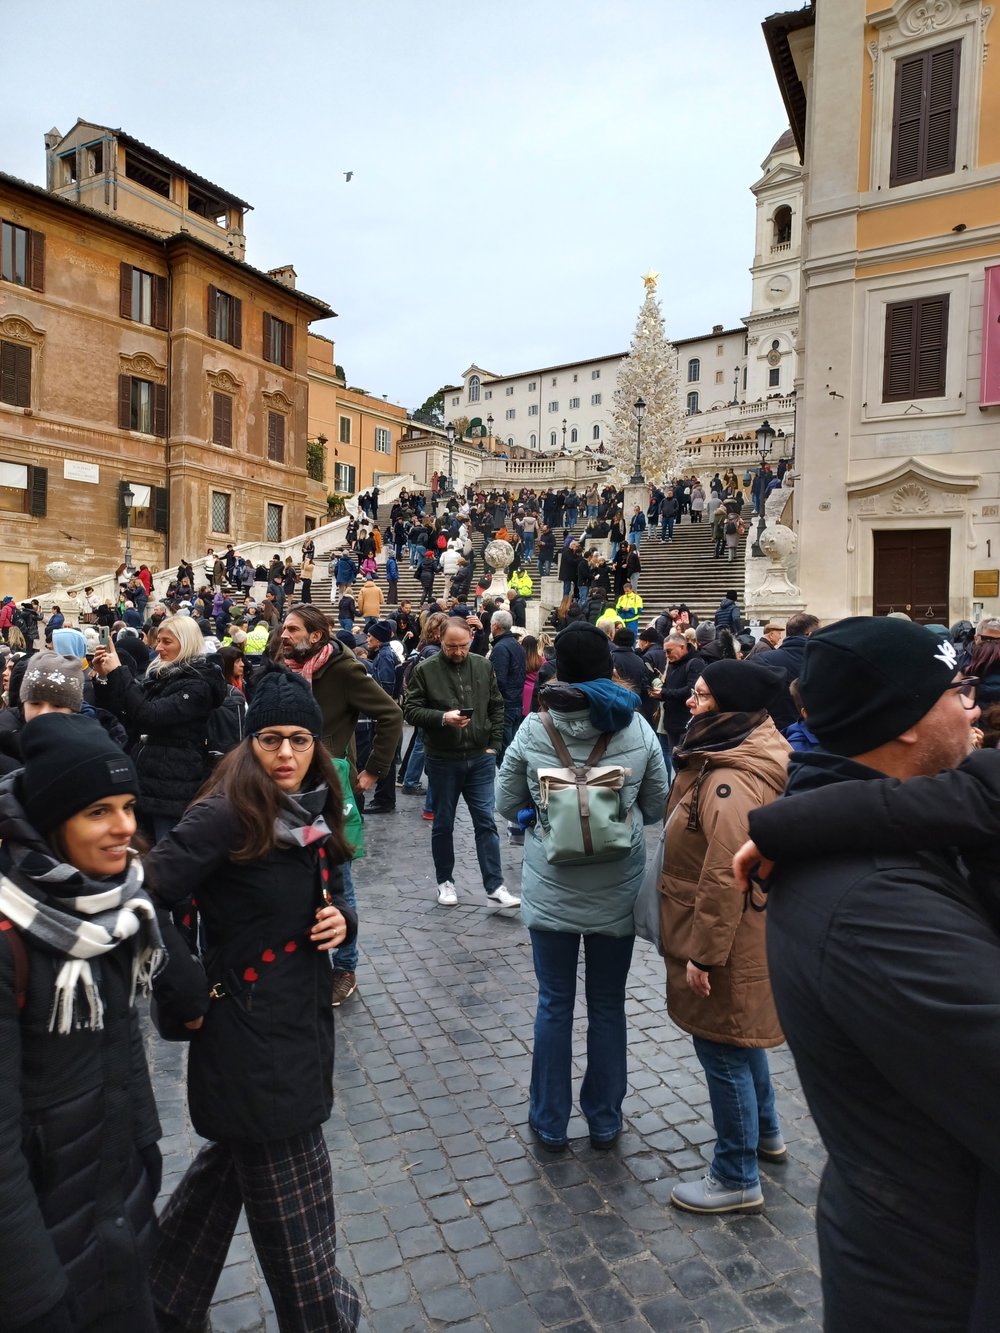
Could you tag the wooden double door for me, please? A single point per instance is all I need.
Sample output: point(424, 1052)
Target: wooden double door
point(912, 574)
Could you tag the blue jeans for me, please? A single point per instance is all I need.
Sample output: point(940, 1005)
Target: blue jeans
point(571, 518)
point(667, 746)
point(529, 545)
point(635, 538)
point(347, 623)
point(739, 1087)
point(415, 767)
point(615, 546)
point(607, 959)
point(667, 529)
point(474, 780)
point(591, 511)
point(345, 959)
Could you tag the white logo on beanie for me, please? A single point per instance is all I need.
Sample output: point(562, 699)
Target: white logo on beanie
point(946, 654)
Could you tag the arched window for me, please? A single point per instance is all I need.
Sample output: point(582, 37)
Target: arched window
point(782, 226)
point(694, 370)
point(574, 435)
point(552, 440)
point(510, 441)
point(474, 389)
point(692, 403)
point(533, 441)
point(596, 433)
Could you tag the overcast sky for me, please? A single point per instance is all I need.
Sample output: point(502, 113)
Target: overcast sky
point(517, 165)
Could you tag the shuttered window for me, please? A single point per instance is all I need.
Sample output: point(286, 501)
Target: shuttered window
point(142, 405)
point(277, 341)
point(143, 297)
point(225, 317)
point(925, 115)
point(276, 437)
point(916, 349)
point(222, 422)
point(22, 256)
point(15, 374)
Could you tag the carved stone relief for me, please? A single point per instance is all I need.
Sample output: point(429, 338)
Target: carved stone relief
point(143, 367)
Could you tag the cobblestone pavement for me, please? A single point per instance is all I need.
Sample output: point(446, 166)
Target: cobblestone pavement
point(448, 1215)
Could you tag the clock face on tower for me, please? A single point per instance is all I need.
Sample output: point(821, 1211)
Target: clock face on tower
point(778, 287)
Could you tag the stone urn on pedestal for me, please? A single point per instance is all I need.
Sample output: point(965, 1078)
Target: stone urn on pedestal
point(771, 592)
point(58, 595)
point(499, 555)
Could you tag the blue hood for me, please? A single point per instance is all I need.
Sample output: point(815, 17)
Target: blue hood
point(611, 705)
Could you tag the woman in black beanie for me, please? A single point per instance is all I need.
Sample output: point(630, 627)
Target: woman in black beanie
point(730, 761)
point(261, 850)
point(79, 1156)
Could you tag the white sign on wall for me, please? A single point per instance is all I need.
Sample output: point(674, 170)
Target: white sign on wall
point(73, 471)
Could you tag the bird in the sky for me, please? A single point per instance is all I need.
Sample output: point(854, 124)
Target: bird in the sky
point(348, 175)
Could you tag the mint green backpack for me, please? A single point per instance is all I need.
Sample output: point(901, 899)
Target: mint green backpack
point(581, 805)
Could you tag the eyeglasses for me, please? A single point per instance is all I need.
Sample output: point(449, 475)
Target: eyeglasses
point(988, 638)
point(966, 690)
point(269, 741)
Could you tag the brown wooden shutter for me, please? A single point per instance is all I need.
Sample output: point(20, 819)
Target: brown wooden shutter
point(36, 261)
point(236, 327)
point(124, 402)
point(159, 409)
point(930, 368)
point(287, 348)
point(213, 297)
point(125, 291)
point(7, 372)
point(900, 331)
point(161, 509)
point(22, 376)
point(159, 303)
point(267, 336)
point(941, 103)
point(276, 437)
point(906, 118)
point(222, 419)
point(38, 491)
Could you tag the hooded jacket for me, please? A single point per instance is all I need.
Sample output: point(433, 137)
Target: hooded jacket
point(596, 898)
point(344, 690)
point(166, 717)
point(885, 965)
point(727, 765)
point(77, 1118)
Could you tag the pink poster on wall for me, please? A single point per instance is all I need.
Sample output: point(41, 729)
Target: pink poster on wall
point(989, 391)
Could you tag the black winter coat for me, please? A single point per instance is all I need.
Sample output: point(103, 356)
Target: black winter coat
point(76, 1111)
point(789, 658)
point(886, 973)
point(167, 719)
point(261, 1067)
point(677, 686)
point(507, 657)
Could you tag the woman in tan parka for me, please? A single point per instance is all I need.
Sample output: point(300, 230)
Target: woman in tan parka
point(730, 761)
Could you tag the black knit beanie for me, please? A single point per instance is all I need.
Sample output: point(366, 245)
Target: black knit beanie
point(867, 679)
point(70, 762)
point(742, 687)
point(583, 652)
point(282, 699)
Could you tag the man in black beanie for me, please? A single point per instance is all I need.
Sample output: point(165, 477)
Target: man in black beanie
point(885, 967)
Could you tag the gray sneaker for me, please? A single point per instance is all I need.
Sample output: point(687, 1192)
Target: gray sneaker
point(771, 1148)
point(709, 1195)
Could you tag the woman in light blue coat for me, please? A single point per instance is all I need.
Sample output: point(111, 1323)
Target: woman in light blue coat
point(562, 903)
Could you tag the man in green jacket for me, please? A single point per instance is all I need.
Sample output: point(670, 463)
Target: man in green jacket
point(454, 699)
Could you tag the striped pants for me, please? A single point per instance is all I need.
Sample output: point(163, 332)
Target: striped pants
point(286, 1188)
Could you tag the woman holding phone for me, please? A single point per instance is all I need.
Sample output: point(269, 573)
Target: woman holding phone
point(261, 849)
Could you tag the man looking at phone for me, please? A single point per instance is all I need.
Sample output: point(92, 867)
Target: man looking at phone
point(454, 699)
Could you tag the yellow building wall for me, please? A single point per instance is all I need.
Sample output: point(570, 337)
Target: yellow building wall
point(330, 400)
point(917, 219)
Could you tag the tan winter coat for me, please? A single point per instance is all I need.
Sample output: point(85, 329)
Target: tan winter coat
point(703, 915)
point(369, 600)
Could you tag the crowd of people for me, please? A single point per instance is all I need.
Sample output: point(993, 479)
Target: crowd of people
point(187, 783)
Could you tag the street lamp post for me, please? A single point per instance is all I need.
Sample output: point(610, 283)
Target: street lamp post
point(489, 427)
point(564, 434)
point(640, 411)
point(449, 430)
point(736, 386)
point(765, 437)
point(128, 500)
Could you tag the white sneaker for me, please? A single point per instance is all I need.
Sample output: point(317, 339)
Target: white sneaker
point(504, 897)
point(447, 893)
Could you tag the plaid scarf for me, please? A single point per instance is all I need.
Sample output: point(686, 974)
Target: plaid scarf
point(75, 918)
point(300, 821)
point(312, 664)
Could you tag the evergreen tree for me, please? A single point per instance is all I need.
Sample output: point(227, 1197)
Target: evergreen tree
point(648, 372)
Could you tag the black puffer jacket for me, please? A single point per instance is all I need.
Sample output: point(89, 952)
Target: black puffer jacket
point(167, 718)
point(76, 1112)
point(261, 1068)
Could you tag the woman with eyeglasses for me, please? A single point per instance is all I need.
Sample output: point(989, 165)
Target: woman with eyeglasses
point(984, 661)
point(261, 850)
point(730, 760)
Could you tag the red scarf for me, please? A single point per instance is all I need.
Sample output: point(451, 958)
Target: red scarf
point(311, 665)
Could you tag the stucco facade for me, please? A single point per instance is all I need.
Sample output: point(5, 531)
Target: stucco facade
point(127, 371)
point(898, 501)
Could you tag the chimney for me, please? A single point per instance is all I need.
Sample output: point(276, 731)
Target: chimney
point(716, 328)
point(286, 275)
point(52, 138)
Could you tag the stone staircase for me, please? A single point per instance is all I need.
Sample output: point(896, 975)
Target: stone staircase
point(682, 571)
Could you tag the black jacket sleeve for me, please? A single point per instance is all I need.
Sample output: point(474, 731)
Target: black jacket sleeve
point(959, 807)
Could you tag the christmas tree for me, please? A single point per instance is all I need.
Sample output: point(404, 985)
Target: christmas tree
point(648, 372)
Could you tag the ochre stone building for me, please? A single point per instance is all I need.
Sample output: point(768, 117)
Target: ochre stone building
point(138, 349)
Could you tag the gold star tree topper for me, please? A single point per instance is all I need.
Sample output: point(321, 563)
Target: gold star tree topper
point(650, 278)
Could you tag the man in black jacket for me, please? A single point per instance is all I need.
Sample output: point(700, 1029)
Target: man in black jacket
point(885, 968)
point(684, 666)
point(789, 658)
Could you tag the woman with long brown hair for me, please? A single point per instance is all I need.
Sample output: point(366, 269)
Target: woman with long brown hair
point(261, 848)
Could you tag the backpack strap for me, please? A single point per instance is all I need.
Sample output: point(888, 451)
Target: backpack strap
point(580, 770)
point(20, 956)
